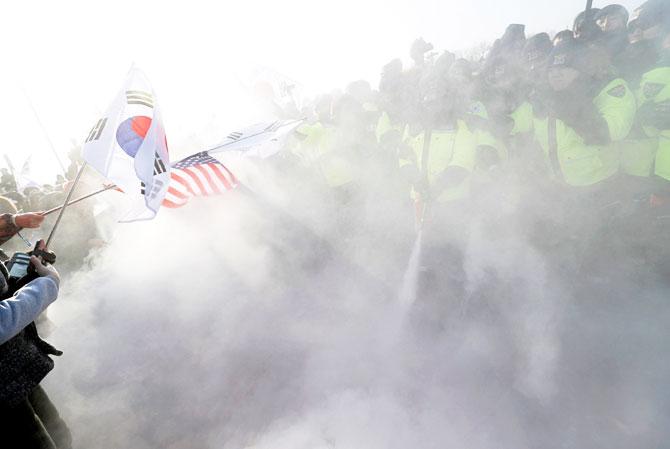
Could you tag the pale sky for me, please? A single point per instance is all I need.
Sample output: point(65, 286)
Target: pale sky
point(70, 57)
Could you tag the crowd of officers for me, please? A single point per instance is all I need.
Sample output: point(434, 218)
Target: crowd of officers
point(582, 119)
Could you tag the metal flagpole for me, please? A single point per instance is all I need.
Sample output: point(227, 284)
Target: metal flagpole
point(64, 206)
point(589, 4)
point(81, 198)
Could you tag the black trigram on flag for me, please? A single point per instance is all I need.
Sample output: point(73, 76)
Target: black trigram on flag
point(235, 136)
point(158, 185)
point(274, 126)
point(159, 166)
point(140, 97)
point(96, 131)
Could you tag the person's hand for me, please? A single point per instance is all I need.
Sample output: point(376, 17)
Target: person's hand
point(45, 270)
point(28, 220)
point(41, 268)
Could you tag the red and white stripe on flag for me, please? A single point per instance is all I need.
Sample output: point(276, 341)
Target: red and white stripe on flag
point(197, 175)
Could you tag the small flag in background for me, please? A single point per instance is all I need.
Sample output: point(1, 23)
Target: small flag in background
point(260, 140)
point(25, 178)
point(197, 175)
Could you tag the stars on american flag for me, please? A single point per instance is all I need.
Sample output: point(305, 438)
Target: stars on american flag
point(197, 175)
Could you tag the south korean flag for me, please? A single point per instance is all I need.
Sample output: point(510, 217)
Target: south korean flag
point(128, 146)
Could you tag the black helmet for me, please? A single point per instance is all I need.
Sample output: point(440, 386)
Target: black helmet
point(612, 18)
point(392, 68)
point(445, 60)
point(510, 43)
point(566, 53)
point(650, 22)
point(585, 27)
point(418, 49)
point(438, 89)
point(360, 90)
point(461, 69)
point(498, 70)
point(564, 35)
point(650, 14)
point(591, 60)
point(514, 33)
point(536, 51)
point(391, 76)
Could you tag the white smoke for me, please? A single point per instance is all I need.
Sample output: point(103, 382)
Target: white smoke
point(226, 324)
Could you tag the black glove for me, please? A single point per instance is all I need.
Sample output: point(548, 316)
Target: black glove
point(449, 178)
point(655, 114)
point(593, 129)
point(477, 122)
point(584, 118)
point(487, 157)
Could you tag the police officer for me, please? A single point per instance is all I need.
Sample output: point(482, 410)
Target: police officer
point(644, 57)
point(588, 112)
point(651, 24)
point(563, 35)
point(535, 58)
point(642, 52)
point(534, 62)
point(318, 148)
point(500, 90)
point(646, 155)
point(613, 20)
point(439, 160)
point(393, 103)
point(585, 28)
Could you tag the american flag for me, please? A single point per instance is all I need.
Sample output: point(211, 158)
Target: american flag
point(197, 175)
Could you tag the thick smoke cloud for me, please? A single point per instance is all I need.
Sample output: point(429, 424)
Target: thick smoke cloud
point(233, 325)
